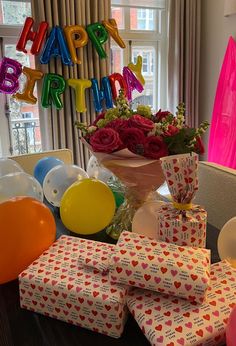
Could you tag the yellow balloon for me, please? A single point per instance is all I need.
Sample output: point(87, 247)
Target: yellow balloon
point(87, 206)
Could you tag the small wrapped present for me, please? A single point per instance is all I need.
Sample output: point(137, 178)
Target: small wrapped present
point(168, 321)
point(167, 268)
point(182, 222)
point(54, 285)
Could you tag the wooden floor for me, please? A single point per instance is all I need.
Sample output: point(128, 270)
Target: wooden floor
point(20, 327)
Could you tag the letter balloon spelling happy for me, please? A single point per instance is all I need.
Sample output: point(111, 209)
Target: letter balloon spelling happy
point(75, 43)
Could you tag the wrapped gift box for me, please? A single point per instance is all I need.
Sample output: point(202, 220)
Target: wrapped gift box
point(182, 222)
point(167, 268)
point(182, 227)
point(168, 321)
point(54, 285)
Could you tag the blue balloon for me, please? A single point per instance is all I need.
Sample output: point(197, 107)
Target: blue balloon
point(43, 166)
point(103, 94)
point(56, 46)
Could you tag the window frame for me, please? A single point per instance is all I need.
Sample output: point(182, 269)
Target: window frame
point(156, 37)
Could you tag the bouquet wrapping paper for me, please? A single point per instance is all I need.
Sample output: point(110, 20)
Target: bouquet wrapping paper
point(54, 285)
point(167, 268)
point(95, 254)
point(182, 222)
point(168, 321)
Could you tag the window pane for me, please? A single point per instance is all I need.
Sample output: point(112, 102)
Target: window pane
point(14, 12)
point(116, 59)
point(118, 15)
point(24, 117)
point(149, 60)
point(142, 19)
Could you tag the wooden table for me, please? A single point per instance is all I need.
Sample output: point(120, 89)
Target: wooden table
point(20, 327)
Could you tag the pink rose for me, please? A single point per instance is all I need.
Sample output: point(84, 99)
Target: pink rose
point(199, 146)
point(118, 124)
point(105, 140)
point(141, 123)
point(161, 115)
point(155, 147)
point(171, 131)
point(133, 139)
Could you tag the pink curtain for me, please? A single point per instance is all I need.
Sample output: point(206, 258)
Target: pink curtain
point(222, 142)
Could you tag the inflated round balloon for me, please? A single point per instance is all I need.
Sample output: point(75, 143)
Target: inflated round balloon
point(43, 166)
point(96, 171)
point(9, 166)
point(19, 184)
point(59, 179)
point(227, 242)
point(87, 206)
point(27, 229)
point(230, 329)
point(145, 219)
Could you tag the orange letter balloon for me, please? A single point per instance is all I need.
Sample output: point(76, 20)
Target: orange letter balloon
point(27, 229)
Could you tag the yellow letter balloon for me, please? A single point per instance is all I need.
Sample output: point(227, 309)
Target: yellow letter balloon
point(27, 229)
point(87, 206)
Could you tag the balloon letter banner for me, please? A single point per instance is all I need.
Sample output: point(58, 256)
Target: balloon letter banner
point(99, 95)
point(9, 83)
point(32, 76)
point(117, 77)
point(56, 46)
point(98, 35)
point(53, 86)
point(36, 37)
point(132, 83)
point(111, 27)
point(137, 69)
point(74, 43)
point(79, 85)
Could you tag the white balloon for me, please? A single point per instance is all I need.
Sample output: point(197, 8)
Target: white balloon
point(145, 219)
point(94, 170)
point(8, 166)
point(58, 179)
point(227, 242)
point(19, 184)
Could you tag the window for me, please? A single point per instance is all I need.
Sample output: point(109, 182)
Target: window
point(18, 135)
point(143, 29)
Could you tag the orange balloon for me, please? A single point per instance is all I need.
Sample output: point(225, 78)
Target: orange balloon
point(27, 229)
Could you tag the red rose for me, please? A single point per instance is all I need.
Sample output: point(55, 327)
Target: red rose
point(118, 124)
point(199, 146)
point(171, 131)
point(161, 115)
point(133, 139)
point(100, 116)
point(155, 147)
point(105, 140)
point(141, 123)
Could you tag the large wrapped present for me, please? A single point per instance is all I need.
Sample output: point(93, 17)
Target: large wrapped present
point(182, 222)
point(168, 321)
point(54, 285)
point(167, 268)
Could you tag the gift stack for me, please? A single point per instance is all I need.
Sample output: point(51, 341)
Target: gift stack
point(182, 222)
point(176, 297)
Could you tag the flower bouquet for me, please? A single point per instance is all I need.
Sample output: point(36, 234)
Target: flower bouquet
point(130, 144)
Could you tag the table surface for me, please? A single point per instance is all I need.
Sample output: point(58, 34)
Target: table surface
point(19, 327)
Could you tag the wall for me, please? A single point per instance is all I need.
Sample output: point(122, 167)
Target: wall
point(215, 31)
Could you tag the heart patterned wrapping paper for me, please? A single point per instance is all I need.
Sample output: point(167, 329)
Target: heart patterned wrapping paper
point(168, 321)
point(182, 222)
point(167, 268)
point(54, 285)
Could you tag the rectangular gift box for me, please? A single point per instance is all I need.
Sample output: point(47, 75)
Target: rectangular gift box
point(168, 321)
point(167, 268)
point(54, 285)
point(182, 227)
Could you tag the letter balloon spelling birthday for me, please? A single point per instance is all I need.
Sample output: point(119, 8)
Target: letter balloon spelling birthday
point(79, 85)
point(132, 83)
point(9, 82)
point(53, 86)
point(32, 76)
point(103, 94)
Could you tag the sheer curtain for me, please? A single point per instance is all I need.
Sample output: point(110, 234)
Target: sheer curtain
point(184, 56)
point(57, 127)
